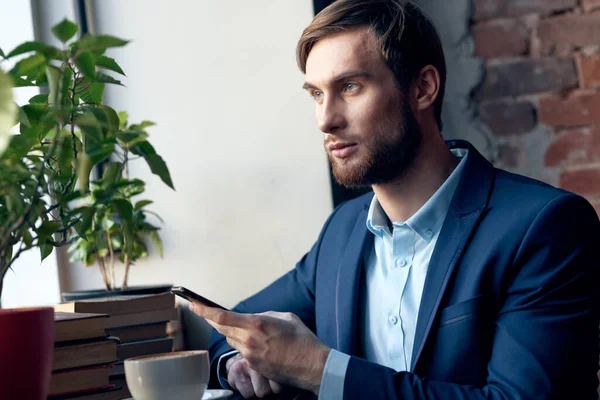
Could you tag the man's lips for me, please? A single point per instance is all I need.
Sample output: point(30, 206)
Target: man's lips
point(342, 150)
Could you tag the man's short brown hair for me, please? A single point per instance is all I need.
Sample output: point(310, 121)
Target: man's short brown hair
point(406, 38)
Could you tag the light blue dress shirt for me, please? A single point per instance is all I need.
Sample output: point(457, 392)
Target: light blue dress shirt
point(396, 268)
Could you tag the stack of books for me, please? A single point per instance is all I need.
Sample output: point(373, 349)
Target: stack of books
point(83, 358)
point(138, 324)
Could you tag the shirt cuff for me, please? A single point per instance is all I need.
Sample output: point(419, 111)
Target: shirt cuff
point(334, 376)
point(221, 369)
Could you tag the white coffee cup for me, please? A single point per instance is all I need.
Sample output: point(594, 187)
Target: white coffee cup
point(180, 375)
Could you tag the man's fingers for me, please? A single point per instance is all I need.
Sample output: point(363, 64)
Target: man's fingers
point(239, 379)
point(260, 384)
point(275, 387)
point(236, 345)
point(221, 317)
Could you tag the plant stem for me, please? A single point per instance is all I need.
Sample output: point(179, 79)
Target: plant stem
point(112, 260)
point(126, 275)
point(102, 267)
point(72, 120)
point(126, 162)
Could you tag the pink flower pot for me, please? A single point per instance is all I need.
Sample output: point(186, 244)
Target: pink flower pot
point(26, 352)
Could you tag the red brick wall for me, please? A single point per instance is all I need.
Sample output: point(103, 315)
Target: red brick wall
point(543, 67)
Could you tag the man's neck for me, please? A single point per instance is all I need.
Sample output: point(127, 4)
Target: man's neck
point(402, 198)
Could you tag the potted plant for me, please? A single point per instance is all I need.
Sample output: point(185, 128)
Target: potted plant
point(27, 339)
point(48, 194)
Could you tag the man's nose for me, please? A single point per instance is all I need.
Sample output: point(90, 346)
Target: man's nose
point(330, 116)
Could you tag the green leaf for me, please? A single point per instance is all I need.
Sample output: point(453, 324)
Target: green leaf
point(159, 167)
point(112, 172)
point(155, 162)
point(91, 129)
point(2, 54)
point(67, 82)
point(112, 118)
point(128, 139)
point(48, 228)
point(123, 116)
point(9, 253)
point(53, 75)
point(94, 93)
point(102, 77)
point(86, 62)
point(155, 214)
point(141, 204)
point(157, 242)
point(23, 119)
point(39, 99)
point(29, 64)
point(64, 30)
point(21, 144)
point(108, 223)
point(87, 215)
point(99, 42)
point(99, 53)
point(143, 149)
point(100, 153)
point(34, 113)
point(125, 212)
point(110, 64)
point(27, 238)
point(26, 48)
point(45, 250)
point(142, 125)
point(84, 167)
point(20, 82)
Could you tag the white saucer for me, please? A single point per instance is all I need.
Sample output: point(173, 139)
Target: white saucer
point(214, 394)
point(211, 394)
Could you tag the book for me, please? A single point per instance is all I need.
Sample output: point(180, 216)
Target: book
point(118, 305)
point(83, 353)
point(79, 379)
point(121, 381)
point(139, 332)
point(140, 318)
point(144, 348)
point(108, 392)
point(77, 326)
point(117, 369)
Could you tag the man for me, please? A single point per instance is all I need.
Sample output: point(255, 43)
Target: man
point(454, 280)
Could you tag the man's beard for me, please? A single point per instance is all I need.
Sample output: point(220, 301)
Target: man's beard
point(387, 158)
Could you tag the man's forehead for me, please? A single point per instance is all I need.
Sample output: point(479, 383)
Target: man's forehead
point(340, 52)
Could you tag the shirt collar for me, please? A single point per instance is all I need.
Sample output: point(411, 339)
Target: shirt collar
point(427, 221)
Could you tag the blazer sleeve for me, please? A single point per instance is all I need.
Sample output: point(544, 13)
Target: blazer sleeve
point(546, 339)
point(293, 292)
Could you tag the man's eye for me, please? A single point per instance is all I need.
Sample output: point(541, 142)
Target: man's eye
point(317, 95)
point(350, 87)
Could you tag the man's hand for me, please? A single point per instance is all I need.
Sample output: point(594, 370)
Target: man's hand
point(247, 381)
point(276, 345)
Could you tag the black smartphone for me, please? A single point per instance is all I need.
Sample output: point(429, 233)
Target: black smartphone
point(191, 296)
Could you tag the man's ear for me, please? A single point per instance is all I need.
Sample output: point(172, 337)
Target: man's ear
point(426, 87)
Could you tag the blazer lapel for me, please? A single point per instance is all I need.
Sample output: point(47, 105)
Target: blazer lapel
point(466, 209)
point(347, 285)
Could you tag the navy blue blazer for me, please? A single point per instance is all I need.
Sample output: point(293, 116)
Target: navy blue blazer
point(510, 307)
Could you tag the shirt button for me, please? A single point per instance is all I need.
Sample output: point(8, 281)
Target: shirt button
point(428, 233)
point(393, 319)
point(401, 262)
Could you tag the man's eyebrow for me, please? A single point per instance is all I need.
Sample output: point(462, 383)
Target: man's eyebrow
point(357, 73)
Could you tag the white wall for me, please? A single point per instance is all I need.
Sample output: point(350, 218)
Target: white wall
point(237, 131)
point(30, 282)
